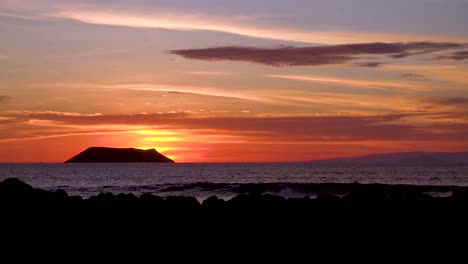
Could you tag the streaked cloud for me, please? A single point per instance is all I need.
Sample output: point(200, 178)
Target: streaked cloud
point(354, 103)
point(191, 137)
point(184, 21)
point(454, 56)
point(55, 134)
point(181, 21)
point(269, 128)
point(208, 73)
point(186, 89)
point(449, 74)
point(454, 101)
point(121, 14)
point(350, 82)
point(46, 113)
point(91, 119)
point(21, 16)
point(368, 64)
point(189, 89)
point(318, 55)
point(412, 75)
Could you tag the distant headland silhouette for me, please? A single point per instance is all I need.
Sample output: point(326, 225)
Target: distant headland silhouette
point(103, 154)
point(401, 158)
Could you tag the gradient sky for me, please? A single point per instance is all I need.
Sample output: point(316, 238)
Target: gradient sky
point(216, 80)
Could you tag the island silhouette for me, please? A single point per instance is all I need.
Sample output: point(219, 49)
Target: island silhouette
point(103, 154)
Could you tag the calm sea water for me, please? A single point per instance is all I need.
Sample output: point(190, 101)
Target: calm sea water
point(224, 180)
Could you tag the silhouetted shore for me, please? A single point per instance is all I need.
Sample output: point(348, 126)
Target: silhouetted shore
point(369, 214)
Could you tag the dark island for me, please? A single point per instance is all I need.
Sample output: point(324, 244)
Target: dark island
point(101, 154)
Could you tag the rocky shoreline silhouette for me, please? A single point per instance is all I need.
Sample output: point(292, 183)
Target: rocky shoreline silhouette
point(366, 213)
point(367, 224)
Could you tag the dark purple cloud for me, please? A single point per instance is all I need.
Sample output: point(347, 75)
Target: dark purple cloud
point(458, 106)
point(286, 56)
point(411, 75)
point(368, 64)
point(318, 55)
point(418, 48)
point(455, 101)
point(456, 56)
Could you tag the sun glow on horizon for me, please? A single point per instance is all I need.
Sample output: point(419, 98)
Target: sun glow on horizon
point(250, 83)
point(163, 141)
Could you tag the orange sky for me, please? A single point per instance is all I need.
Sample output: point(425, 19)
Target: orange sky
point(224, 83)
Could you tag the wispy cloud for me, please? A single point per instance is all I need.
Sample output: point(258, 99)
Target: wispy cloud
point(91, 119)
point(369, 64)
point(454, 56)
point(184, 21)
point(354, 103)
point(412, 75)
point(20, 16)
point(453, 101)
point(454, 74)
point(181, 21)
point(209, 73)
point(190, 89)
point(186, 89)
point(349, 82)
point(122, 14)
point(318, 55)
point(451, 110)
point(54, 134)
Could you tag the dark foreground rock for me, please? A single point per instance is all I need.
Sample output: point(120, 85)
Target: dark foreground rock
point(367, 218)
point(99, 154)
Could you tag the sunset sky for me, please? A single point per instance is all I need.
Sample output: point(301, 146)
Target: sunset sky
point(218, 81)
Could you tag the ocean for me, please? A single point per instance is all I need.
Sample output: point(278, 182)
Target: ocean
point(227, 180)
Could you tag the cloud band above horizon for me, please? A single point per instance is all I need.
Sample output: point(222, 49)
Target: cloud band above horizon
point(321, 55)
